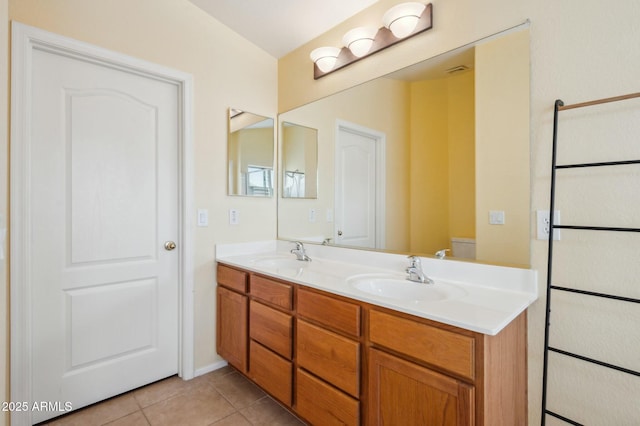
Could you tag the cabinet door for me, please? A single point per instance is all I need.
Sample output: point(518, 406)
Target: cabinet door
point(232, 330)
point(404, 393)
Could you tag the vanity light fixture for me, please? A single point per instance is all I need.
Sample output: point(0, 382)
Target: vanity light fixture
point(400, 22)
point(359, 40)
point(325, 57)
point(402, 19)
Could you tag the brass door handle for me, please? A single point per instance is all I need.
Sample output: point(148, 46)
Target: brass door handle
point(169, 245)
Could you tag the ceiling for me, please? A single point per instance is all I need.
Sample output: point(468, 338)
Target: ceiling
point(280, 26)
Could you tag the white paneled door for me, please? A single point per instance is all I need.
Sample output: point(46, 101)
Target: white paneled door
point(104, 223)
point(359, 189)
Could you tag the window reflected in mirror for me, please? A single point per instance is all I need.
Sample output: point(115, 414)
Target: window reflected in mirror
point(250, 147)
point(299, 161)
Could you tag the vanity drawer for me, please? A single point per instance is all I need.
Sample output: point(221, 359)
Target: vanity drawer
point(272, 372)
point(273, 292)
point(445, 349)
point(322, 404)
point(232, 278)
point(272, 328)
point(337, 314)
point(330, 356)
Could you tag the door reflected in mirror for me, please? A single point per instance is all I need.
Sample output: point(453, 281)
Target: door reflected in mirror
point(299, 161)
point(250, 146)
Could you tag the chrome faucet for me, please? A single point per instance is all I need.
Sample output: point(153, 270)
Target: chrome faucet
point(299, 252)
point(415, 273)
point(441, 254)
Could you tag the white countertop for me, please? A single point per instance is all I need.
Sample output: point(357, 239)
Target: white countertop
point(487, 297)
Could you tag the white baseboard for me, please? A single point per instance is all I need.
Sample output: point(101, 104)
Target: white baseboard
point(209, 368)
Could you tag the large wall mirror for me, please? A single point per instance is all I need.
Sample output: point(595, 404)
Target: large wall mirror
point(431, 157)
point(250, 146)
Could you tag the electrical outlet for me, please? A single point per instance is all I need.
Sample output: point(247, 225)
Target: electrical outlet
point(312, 215)
point(329, 215)
point(543, 224)
point(234, 217)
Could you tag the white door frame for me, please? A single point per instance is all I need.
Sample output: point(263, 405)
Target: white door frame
point(25, 40)
point(381, 170)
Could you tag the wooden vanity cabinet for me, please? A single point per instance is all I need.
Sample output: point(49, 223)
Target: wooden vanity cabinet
point(334, 360)
point(271, 336)
point(232, 316)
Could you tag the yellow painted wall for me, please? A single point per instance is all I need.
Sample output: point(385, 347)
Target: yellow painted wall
point(442, 184)
point(502, 148)
point(429, 157)
point(228, 72)
point(462, 155)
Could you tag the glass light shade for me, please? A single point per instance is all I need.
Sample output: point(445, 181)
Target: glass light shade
point(403, 18)
point(325, 57)
point(359, 40)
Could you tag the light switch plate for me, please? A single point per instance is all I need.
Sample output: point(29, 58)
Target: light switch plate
point(203, 217)
point(496, 217)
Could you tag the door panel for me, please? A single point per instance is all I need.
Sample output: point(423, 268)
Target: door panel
point(104, 199)
point(132, 327)
point(356, 190)
point(112, 214)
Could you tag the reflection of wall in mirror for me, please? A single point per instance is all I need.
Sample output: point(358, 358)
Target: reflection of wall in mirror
point(299, 161)
point(442, 162)
point(379, 105)
point(247, 148)
point(502, 148)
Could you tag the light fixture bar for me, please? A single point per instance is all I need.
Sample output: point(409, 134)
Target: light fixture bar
point(383, 39)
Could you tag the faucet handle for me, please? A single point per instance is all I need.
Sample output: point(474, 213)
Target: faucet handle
point(440, 254)
point(414, 260)
point(299, 245)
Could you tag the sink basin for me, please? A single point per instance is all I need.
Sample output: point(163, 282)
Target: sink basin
point(397, 287)
point(284, 265)
point(281, 262)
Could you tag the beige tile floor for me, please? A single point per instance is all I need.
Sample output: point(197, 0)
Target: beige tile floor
point(221, 398)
